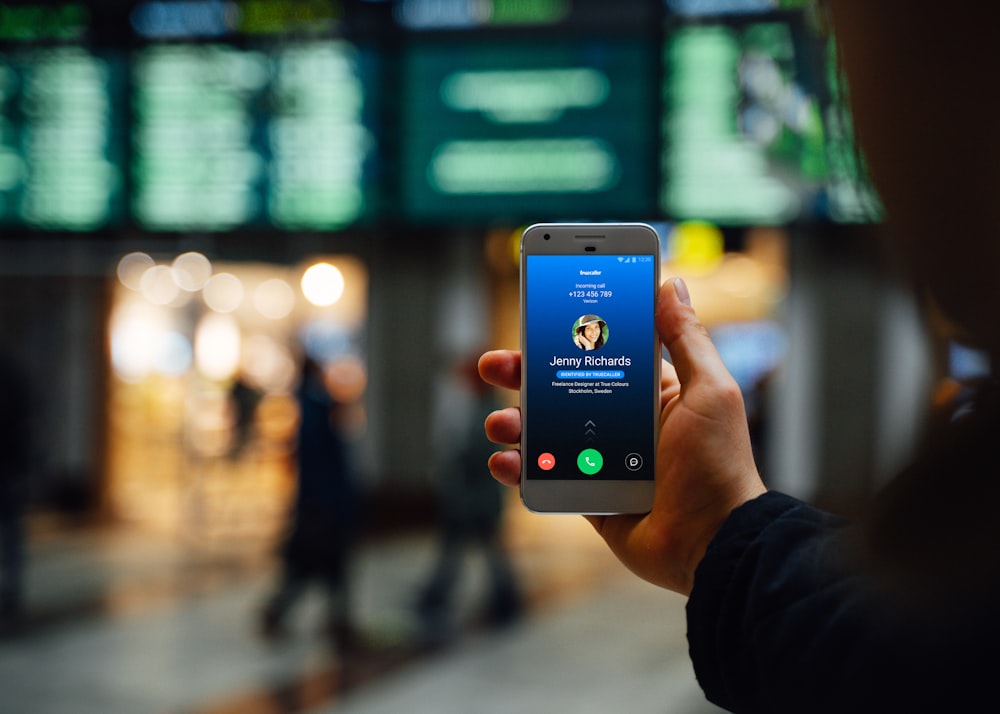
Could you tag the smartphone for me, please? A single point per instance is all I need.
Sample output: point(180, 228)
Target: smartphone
point(590, 361)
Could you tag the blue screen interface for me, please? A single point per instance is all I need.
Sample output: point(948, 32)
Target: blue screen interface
point(589, 367)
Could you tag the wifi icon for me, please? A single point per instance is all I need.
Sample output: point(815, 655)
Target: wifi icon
point(621, 258)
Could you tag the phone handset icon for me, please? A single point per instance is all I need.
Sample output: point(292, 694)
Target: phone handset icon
point(590, 461)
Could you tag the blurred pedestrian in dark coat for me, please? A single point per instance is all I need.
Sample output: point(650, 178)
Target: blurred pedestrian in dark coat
point(325, 518)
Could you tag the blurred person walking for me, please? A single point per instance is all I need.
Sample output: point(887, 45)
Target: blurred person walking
point(325, 516)
point(244, 400)
point(15, 408)
point(470, 507)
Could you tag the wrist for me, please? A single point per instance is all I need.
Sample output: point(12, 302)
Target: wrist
point(708, 527)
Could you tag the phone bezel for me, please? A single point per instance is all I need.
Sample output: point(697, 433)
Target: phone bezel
point(604, 496)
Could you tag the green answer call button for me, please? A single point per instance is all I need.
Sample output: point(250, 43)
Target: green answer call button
point(590, 461)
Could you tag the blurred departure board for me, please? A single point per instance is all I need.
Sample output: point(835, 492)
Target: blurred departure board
point(321, 115)
point(228, 136)
point(61, 142)
point(507, 130)
point(744, 139)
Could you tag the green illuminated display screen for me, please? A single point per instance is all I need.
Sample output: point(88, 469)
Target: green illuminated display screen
point(228, 137)
point(744, 140)
point(329, 114)
point(61, 139)
point(506, 130)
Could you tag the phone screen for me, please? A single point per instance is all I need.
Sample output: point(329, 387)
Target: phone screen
point(589, 367)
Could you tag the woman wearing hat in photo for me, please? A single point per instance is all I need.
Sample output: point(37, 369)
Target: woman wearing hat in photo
point(589, 333)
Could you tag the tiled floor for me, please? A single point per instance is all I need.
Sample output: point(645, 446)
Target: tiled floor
point(123, 623)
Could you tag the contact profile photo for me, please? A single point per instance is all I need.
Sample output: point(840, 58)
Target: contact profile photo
point(590, 332)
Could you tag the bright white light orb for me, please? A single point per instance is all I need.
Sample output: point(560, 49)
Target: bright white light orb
point(217, 346)
point(323, 284)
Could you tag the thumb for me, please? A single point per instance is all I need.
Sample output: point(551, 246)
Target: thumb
point(691, 349)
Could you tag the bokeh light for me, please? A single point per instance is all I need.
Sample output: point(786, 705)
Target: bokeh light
point(696, 246)
point(158, 286)
point(144, 342)
point(323, 284)
point(133, 339)
point(223, 292)
point(274, 299)
point(217, 346)
point(191, 271)
point(173, 354)
point(132, 267)
point(346, 378)
point(269, 363)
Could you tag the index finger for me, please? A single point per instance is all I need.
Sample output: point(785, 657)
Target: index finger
point(501, 368)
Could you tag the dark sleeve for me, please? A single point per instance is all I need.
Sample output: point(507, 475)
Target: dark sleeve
point(781, 620)
point(777, 624)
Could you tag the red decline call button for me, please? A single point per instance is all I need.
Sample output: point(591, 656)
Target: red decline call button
point(546, 461)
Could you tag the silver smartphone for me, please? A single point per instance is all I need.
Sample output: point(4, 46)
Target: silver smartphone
point(590, 381)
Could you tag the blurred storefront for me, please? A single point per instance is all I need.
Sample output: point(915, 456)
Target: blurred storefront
point(204, 363)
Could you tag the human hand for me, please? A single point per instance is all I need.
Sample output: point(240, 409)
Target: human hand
point(704, 462)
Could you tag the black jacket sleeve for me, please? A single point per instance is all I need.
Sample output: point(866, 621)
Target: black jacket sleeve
point(778, 622)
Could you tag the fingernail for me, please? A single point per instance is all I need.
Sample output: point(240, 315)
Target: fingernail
point(681, 288)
